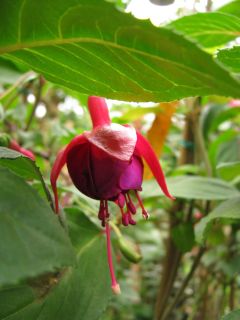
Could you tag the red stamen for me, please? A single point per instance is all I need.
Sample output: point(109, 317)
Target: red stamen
point(130, 219)
point(101, 214)
point(124, 218)
point(144, 211)
point(130, 205)
point(121, 200)
point(107, 215)
point(115, 285)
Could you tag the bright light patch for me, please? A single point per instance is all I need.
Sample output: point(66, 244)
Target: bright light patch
point(144, 9)
point(148, 119)
point(71, 104)
point(41, 110)
point(31, 98)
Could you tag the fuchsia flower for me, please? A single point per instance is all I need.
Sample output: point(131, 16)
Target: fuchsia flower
point(106, 164)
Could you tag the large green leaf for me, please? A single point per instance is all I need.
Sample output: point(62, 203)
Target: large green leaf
point(24, 167)
point(32, 239)
point(91, 47)
point(229, 209)
point(82, 292)
point(209, 29)
point(230, 58)
point(231, 8)
point(8, 72)
point(19, 164)
point(189, 187)
point(229, 170)
point(234, 315)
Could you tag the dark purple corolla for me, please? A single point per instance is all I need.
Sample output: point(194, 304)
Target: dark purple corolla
point(106, 164)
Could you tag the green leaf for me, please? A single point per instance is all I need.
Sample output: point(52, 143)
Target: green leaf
point(231, 8)
point(229, 209)
point(230, 150)
point(183, 237)
point(226, 114)
point(219, 143)
point(189, 187)
point(19, 164)
point(80, 228)
point(9, 73)
point(234, 315)
point(23, 167)
point(210, 29)
point(208, 116)
point(82, 292)
point(78, 46)
point(230, 58)
point(32, 239)
point(20, 296)
point(229, 171)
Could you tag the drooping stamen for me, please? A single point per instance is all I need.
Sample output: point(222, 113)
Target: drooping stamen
point(130, 205)
point(125, 221)
point(101, 214)
point(115, 285)
point(130, 219)
point(121, 200)
point(144, 211)
point(107, 215)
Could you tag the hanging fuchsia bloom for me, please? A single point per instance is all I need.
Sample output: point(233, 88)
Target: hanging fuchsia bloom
point(106, 164)
point(15, 146)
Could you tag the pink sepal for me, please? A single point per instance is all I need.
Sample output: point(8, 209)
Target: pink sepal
point(60, 162)
point(145, 150)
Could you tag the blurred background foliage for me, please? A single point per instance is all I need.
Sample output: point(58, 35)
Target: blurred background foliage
point(44, 118)
point(184, 262)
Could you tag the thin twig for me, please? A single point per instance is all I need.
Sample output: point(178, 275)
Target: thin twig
point(38, 99)
point(22, 79)
point(170, 267)
point(198, 136)
point(232, 295)
point(184, 284)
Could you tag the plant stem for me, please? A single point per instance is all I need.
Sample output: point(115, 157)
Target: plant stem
point(170, 267)
point(198, 136)
point(22, 79)
point(184, 284)
point(232, 295)
point(38, 99)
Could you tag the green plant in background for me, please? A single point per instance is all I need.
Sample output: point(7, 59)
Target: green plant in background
point(56, 267)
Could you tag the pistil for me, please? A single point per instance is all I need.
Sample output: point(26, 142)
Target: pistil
point(115, 286)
